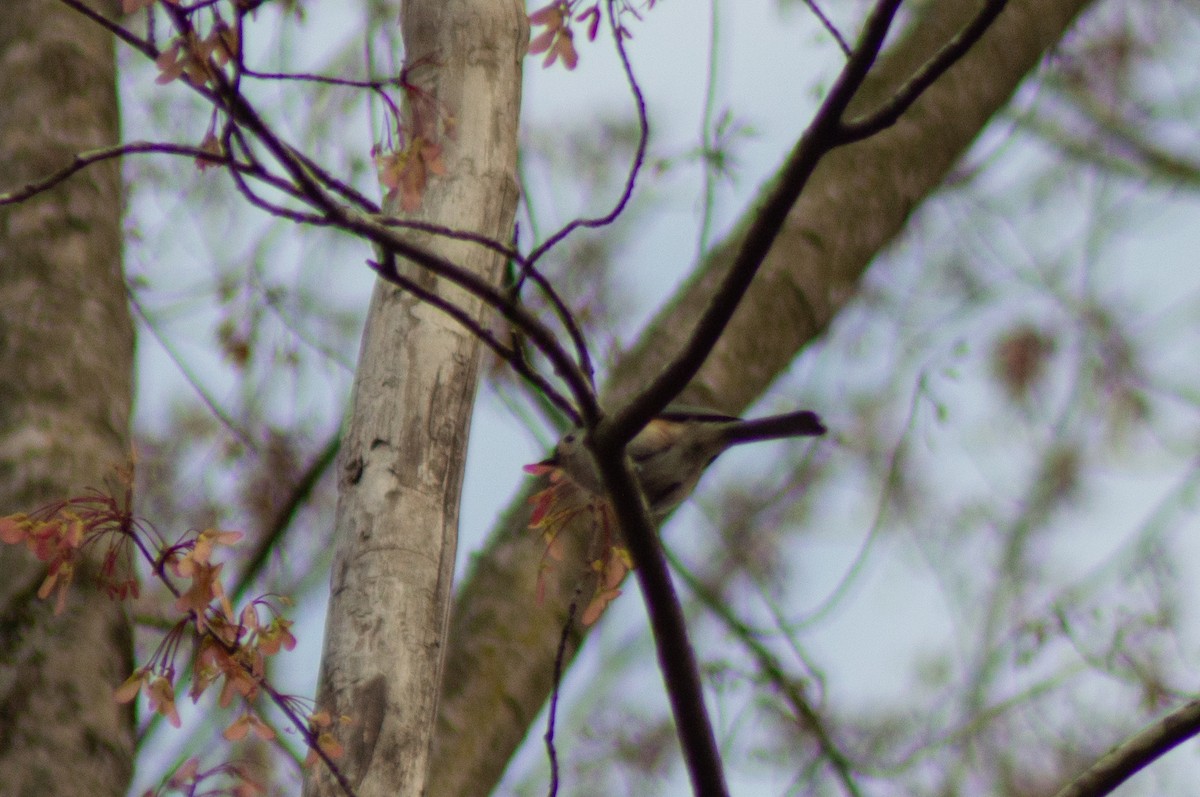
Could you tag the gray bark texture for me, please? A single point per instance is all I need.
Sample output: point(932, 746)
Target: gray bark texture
point(66, 360)
point(401, 463)
point(503, 645)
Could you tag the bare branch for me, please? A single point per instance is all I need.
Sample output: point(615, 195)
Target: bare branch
point(887, 114)
point(820, 138)
point(551, 751)
point(1134, 754)
point(121, 32)
point(826, 132)
point(830, 28)
point(84, 159)
point(337, 185)
point(458, 235)
point(638, 158)
point(528, 270)
point(676, 658)
point(308, 77)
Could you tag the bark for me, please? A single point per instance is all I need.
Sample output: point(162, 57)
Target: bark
point(66, 355)
point(502, 645)
point(401, 464)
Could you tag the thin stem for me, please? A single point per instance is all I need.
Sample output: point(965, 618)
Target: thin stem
point(226, 420)
point(772, 668)
point(559, 660)
point(830, 28)
point(82, 160)
point(638, 158)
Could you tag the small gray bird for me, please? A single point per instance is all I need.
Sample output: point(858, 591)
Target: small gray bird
point(671, 452)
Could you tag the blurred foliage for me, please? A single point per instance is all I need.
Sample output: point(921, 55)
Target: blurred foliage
point(981, 583)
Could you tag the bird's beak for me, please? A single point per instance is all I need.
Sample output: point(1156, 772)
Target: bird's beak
point(545, 466)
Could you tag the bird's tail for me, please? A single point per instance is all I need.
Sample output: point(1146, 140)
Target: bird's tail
point(793, 424)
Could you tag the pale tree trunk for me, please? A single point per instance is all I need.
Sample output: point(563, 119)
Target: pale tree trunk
point(503, 645)
point(66, 365)
point(401, 464)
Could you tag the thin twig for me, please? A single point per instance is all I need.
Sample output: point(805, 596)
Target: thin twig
point(339, 186)
point(829, 26)
point(121, 32)
point(559, 661)
point(707, 149)
point(373, 85)
point(243, 436)
point(82, 160)
point(887, 114)
point(270, 207)
point(638, 158)
point(443, 231)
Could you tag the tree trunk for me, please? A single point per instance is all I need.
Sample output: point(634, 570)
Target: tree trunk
point(66, 355)
point(502, 646)
point(401, 463)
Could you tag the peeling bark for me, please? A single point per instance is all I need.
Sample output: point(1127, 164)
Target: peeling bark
point(402, 457)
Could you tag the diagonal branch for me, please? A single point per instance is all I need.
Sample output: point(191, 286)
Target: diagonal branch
point(820, 138)
point(1137, 752)
point(888, 113)
point(826, 132)
point(676, 657)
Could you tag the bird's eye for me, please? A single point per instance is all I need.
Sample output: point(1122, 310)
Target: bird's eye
point(570, 438)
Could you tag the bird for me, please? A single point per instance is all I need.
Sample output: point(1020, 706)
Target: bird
point(673, 450)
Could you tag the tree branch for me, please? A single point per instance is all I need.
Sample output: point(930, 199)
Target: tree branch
point(887, 114)
point(1134, 754)
point(857, 202)
point(638, 157)
point(676, 658)
point(820, 138)
point(84, 159)
point(826, 132)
